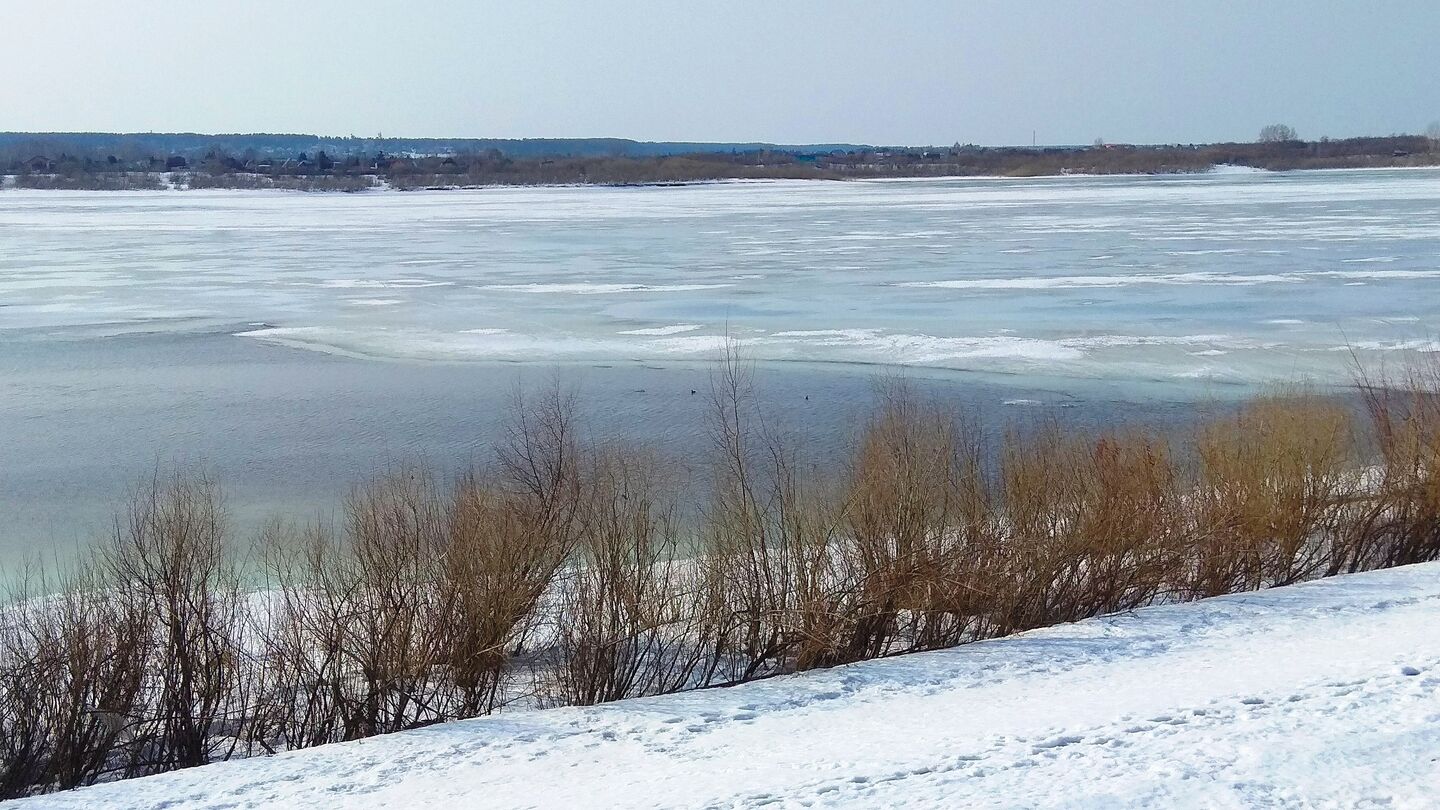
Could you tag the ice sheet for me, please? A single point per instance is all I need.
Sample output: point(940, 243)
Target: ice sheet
point(1104, 277)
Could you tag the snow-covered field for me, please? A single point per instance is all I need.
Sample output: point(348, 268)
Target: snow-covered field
point(1325, 694)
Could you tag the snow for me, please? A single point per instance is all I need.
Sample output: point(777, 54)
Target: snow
point(1231, 168)
point(1325, 694)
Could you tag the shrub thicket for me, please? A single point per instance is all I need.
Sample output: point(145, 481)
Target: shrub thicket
point(571, 572)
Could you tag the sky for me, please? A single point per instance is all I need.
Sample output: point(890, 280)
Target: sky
point(901, 72)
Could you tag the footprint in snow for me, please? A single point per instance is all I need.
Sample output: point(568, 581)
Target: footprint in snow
point(1058, 742)
point(1169, 719)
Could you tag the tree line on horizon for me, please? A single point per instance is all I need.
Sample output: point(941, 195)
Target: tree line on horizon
point(58, 163)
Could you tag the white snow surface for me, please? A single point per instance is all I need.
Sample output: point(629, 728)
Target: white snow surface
point(1325, 694)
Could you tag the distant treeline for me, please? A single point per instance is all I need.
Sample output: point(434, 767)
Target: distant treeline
point(191, 146)
point(205, 161)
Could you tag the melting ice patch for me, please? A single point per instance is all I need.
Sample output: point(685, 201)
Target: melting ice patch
point(1381, 275)
point(1198, 277)
point(868, 345)
point(710, 345)
point(1426, 345)
point(589, 288)
point(879, 345)
point(1080, 282)
point(674, 329)
point(373, 283)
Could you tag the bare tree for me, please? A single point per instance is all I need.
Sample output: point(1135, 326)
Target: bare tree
point(1278, 133)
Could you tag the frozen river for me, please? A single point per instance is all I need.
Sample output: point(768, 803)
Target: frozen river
point(295, 341)
point(1227, 277)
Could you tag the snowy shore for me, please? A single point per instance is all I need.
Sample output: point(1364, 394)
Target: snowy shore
point(1324, 694)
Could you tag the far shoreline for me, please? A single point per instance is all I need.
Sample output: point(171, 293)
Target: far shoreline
point(703, 175)
point(169, 182)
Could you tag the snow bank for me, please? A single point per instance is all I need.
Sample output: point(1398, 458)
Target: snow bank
point(1326, 694)
point(1231, 168)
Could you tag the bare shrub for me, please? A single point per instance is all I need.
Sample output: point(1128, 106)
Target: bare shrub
point(305, 638)
point(1273, 482)
point(72, 669)
point(505, 552)
point(168, 564)
point(357, 632)
point(1400, 523)
point(919, 544)
point(412, 614)
point(511, 533)
point(135, 665)
point(628, 614)
point(767, 540)
point(109, 181)
point(1092, 526)
point(241, 180)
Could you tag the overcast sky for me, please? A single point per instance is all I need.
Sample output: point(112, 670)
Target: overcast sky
point(900, 72)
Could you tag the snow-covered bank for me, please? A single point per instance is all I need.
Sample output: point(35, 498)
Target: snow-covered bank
point(1322, 694)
